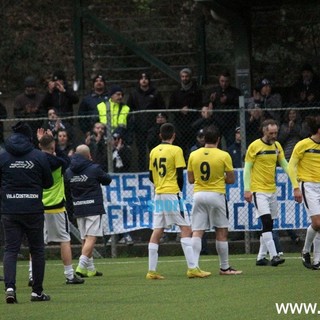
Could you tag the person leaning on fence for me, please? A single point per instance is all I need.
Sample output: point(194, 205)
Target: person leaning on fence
point(56, 225)
point(259, 177)
point(209, 169)
point(166, 173)
point(85, 179)
point(88, 105)
point(25, 172)
point(304, 166)
point(144, 97)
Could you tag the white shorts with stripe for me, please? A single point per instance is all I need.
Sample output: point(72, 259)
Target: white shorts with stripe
point(311, 197)
point(210, 209)
point(168, 211)
point(56, 227)
point(266, 203)
point(90, 226)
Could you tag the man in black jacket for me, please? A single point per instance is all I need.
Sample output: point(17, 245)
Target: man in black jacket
point(85, 178)
point(24, 173)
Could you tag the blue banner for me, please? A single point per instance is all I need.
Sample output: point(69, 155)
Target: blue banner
point(129, 203)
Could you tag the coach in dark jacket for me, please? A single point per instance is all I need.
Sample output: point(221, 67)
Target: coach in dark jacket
point(24, 173)
point(85, 178)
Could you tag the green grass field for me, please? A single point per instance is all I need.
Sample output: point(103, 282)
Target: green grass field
point(124, 293)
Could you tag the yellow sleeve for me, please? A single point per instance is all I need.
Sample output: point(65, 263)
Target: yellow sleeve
point(247, 175)
point(292, 172)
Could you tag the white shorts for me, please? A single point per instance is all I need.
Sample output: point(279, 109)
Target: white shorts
point(168, 211)
point(311, 197)
point(90, 226)
point(266, 203)
point(56, 227)
point(209, 210)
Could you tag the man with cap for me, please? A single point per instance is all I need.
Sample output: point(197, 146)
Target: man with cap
point(266, 100)
point(187, 96)
point(24, 173)
point(118, 111)
point(306, 90)
point(144, 98)
point(27, 104)
point(153, 135)
point(235, 150)
point(59, 95)
point(88, 105)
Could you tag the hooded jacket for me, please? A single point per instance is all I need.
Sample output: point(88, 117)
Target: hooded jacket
point(84, 178)
point(24, 173)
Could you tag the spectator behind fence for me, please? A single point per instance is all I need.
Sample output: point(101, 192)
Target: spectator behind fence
point(153, 137)
point(225, 97)
point(59, 95)
point(54, 124)
point(88, 205)
point(205, 119)
point(89, 104)
point(65, 142)
point(290, 131)
point(265, 99)
point(305, 92)
point(187, 96)
point(97, 143)
point(28, 105)
point(235, 149)
point(254, 118)
point(24, 171)
point(144, 98)
point(3, 115)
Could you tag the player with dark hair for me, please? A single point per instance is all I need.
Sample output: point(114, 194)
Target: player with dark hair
point(260, 186)
point(166, 172)
point(304, 166)
point(209, 169)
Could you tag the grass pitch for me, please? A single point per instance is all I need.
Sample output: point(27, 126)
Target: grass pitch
point(124, 293)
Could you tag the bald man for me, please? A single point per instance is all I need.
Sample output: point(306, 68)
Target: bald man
point(85, 179)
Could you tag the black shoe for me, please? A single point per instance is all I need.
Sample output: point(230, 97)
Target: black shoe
point(30, 282)
point(11, 296)
point(74, 280)
point(316, 266)
point(41, 297)
point(306, 260)
point(276, 260)
point(263, 262)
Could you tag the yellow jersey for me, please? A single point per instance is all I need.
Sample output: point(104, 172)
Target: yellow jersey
point(209, 166)
point(164, 161)
point(306, 154)
point(264, 158)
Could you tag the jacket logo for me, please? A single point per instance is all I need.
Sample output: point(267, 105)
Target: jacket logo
point(81, 178)
point(21, 165)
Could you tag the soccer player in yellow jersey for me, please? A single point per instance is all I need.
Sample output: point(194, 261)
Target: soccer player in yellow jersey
point(304, 172)
point(209, 169)
point(166, 172)
point(260, 186)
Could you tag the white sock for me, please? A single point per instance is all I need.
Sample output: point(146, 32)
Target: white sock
point(153, 256)
point(83, 262)
point(30, 269)
point(316, 249)
point(69, 272)
point(263, 250)
point(186, 244)
point(91, 266)
point(222, 248)
point(196, 245)
point(311, 234)
point(268, 240)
